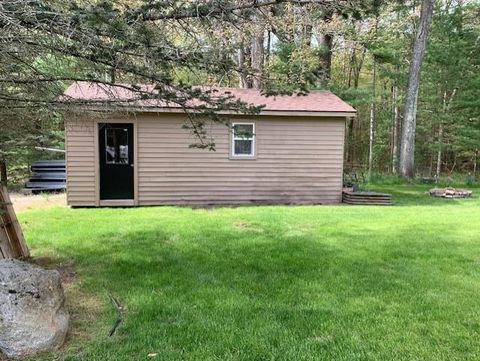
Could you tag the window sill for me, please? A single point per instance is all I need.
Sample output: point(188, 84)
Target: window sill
point(242, 157)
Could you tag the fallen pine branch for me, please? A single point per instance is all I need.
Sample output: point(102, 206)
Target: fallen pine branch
point(119, 309)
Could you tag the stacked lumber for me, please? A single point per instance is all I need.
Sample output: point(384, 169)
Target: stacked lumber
point(49, 175)
point(366, 198)
point(12, 242)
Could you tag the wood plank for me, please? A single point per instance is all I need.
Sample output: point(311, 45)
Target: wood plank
point(366, 198)
point(369, 203)
point(14, 231)
point(361, 194)
point(8, 249)
point(5, 247)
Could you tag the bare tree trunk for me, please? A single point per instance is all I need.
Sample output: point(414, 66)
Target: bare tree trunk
point(307, 35)
point(358, 68)
point(439, 152)
point(325, 43)
point(396, 123)
point(407, 149)
point(349, 141)
point(243, 56)
point(475, 163)
point(354, 68)
point(446, 107)
point(454, 163)
point(351, 65)
point(257, 52)
point(3, 171)
point(440, 139)
point(269, 48)
point(396, 117)
point(372, 110)
point(370, 140)
point(242, 77)
point(372, 121)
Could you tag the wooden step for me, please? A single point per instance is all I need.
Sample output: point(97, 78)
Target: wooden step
point(366, 198)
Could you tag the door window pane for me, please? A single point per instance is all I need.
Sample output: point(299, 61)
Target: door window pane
point(116, 146)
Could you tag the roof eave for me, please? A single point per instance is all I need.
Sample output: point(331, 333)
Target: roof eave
point(298, 113)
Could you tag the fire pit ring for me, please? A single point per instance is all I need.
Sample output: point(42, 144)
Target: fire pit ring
point(450, 193)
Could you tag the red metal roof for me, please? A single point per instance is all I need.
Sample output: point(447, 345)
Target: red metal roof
point(315, 101)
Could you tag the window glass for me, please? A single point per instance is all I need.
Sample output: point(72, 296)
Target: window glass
point(244, 131)
point(243, 139)
point(243, 147)
point(116, 146)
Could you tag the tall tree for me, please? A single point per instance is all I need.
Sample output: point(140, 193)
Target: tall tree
point(373, 105)
point(325, 43)
point(258, 50)
point(175, 45)
point(407, 147)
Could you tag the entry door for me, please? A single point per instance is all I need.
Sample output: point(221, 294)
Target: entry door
point(116, 160)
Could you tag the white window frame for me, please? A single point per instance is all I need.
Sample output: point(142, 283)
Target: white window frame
point(252, 138)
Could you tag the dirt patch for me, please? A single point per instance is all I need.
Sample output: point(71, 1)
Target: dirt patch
point(85, 309)
point(67, 273)
point(242, 225)
point(25, 202)
point(248, 226)
point(66, 270)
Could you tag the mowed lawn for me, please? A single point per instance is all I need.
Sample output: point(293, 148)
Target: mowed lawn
point(270, 283)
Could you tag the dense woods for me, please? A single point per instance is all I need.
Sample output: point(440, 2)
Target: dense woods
point(411, 68)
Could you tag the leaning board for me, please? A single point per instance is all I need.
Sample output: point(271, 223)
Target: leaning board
point(12, 242)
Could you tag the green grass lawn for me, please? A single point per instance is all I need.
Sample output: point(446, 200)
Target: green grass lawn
point(271, 283)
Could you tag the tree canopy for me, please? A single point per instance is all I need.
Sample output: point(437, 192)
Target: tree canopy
point(361, 50)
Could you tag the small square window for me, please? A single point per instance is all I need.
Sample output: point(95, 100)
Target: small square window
point(243, 140)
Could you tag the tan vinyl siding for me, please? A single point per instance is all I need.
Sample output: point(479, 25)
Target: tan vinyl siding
point(298, 160)
point(79, 139)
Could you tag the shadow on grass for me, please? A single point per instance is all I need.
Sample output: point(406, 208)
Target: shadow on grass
point(273, 282)
point(241, 262)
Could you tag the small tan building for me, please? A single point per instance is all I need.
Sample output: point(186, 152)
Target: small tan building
point(290, 153)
